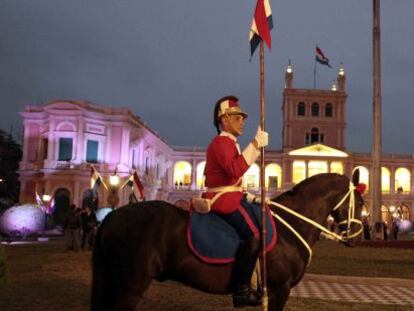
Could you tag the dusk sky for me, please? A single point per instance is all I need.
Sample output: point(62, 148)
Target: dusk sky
point(169, 61)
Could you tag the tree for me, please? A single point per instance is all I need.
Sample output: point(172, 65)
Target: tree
point(10, 156)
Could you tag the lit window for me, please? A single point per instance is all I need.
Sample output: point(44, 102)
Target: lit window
point(385, 180)
point(337, 167)
point(402, 180)
point(299, 171)
point(317, 167)
point(182, 173)
point(251, 177)
point(273, 176)
point(200, 175)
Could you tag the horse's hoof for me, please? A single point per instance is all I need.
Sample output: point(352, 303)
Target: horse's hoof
point(249, 300)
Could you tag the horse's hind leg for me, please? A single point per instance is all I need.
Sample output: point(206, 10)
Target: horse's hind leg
point(130, 296)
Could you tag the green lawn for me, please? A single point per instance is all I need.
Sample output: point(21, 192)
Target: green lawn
point(45, 277)
point(334, 258)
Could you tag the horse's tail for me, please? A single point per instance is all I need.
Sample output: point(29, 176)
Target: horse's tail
point(98, 274)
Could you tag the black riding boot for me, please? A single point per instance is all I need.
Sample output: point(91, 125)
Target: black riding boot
point(243, 269)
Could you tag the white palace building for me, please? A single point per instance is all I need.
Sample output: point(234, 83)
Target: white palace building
point(63, 137)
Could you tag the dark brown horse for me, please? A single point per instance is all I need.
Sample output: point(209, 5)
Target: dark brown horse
point(136, 244)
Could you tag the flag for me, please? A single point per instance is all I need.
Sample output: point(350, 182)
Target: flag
point(321, 58)
point(262, 24)
point(96, 181)
point(50, 206)
point(137, 187)
point(39, 200)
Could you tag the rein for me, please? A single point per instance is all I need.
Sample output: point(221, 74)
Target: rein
point(344, 236)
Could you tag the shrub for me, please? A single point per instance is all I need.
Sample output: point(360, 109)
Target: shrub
point(3, 276)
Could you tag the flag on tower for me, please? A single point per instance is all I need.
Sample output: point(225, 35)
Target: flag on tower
point(262, 24)
point(321, 58)
point(137, 188)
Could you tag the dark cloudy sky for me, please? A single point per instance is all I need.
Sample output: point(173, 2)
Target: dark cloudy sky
point(169, 61)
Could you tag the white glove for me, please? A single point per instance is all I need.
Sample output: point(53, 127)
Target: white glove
point(261, 138)
point(258, 200)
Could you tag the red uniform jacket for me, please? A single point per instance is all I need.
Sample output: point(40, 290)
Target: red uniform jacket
point(225, 165)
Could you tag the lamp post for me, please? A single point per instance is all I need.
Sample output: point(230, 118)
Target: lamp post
point(113, 198)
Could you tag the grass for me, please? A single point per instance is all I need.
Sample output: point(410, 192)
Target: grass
point(45, 277)
point(334, 258)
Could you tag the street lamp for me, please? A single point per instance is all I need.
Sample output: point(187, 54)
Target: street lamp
point(113, 198)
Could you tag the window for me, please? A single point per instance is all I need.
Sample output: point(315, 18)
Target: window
point(273, 176)
point(92, 151)
point(385, 180)
point(44, 148)
point(317, 167)
point(301, 109)
point(402, 181)
point(337, 167)
point(315, 110)
point(200, 174)
point(328, 110)
point(314, 135)
point(65, 149)
point(146, 165)
point(182, 174)
point(134, 166)
point(299, 171)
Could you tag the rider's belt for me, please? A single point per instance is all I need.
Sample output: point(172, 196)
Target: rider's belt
point(225, 189)
point(203, 205)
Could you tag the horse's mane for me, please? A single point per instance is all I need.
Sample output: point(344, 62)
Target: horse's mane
point(303, 186)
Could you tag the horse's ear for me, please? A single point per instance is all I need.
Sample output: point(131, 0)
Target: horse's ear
point(355, 177)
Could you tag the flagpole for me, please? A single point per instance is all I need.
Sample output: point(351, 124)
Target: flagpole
point(314, 75)
point(262, 179)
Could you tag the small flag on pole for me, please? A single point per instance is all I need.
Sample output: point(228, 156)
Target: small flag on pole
point(96, 181)
point(137, 187)
point(321, 58)
point(39, 200)
point(50, 206)
point(262, 24)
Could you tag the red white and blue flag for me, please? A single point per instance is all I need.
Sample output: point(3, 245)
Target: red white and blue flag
point(137, 188)
point(321, 58)
point(262, 24)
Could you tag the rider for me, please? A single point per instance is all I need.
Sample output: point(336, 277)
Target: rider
point(224, 170)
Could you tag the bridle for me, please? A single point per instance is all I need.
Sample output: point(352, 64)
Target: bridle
point(344, 235)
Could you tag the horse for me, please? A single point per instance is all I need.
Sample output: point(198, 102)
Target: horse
point(138, 243)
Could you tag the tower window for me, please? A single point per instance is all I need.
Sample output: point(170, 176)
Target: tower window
point(328, 110)
point(315, 110)
point(314, 135)
point(301, 109)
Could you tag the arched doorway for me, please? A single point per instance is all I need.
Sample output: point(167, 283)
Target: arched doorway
point(62, 205)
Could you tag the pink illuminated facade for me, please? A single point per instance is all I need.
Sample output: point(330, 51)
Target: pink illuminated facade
point(63, 137)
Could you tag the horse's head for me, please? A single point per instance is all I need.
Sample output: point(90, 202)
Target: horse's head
point(347, 214)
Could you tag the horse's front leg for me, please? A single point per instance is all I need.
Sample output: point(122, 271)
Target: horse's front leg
point(278, 295)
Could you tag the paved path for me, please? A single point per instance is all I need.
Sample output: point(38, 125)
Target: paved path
point(356, 289)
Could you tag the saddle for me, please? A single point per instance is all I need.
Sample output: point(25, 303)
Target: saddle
point(214, 241)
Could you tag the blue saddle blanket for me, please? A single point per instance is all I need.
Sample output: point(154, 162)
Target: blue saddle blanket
point(213, 240)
